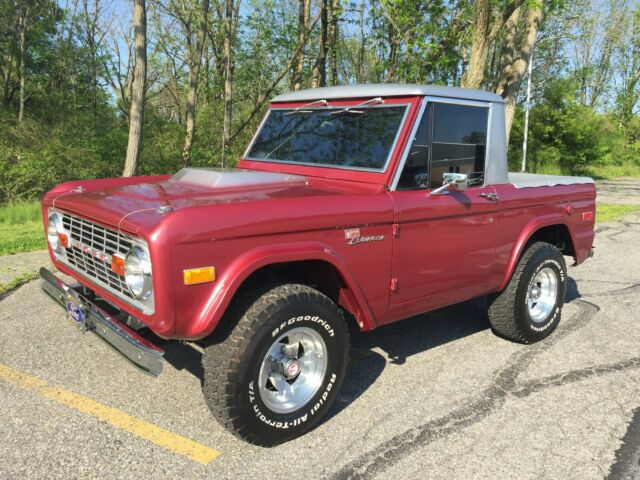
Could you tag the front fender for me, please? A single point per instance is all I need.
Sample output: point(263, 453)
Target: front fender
point(526, 233)
point(234, 276)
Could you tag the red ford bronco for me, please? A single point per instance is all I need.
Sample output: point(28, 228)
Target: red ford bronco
point(364, 204)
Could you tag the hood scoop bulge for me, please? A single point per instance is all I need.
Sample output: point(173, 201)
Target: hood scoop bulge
point(235, 178)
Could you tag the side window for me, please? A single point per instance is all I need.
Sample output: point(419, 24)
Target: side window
point(415, 173)
point(459, 142)
point(450, 138)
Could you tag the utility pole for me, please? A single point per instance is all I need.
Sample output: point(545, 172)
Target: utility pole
point(526, 115)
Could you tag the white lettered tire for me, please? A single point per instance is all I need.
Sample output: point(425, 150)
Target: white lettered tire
point(278, 368)
point(529, 308)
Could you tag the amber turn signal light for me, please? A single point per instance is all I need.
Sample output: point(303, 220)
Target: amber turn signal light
point(194, 276)
point(117, 265)
point(63, 238)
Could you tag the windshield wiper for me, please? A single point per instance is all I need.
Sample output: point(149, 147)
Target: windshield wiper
point(300, 108)
point(351, 108)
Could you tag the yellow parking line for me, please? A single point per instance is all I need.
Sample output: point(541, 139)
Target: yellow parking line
point(169, 440)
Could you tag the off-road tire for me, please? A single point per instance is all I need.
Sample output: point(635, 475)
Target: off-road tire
point(508, 311)
point(232, 362)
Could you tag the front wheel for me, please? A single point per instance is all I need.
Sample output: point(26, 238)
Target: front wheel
point(279, 370)
point(529, 308)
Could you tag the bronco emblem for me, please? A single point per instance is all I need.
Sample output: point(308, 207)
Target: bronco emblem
point(353, 237)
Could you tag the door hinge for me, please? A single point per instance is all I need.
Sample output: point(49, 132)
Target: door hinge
point(395, 230)
point(394, 284)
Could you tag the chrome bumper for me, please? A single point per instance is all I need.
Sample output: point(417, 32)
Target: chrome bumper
point(140, 351)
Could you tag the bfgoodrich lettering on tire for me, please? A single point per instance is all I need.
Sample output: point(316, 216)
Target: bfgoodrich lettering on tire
point(276, 373)
point(529, 308)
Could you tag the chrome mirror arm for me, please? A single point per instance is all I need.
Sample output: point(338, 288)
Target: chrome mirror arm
point(454, 181)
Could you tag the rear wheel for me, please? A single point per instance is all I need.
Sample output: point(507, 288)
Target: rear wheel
point(278, 371)
point(529, 308)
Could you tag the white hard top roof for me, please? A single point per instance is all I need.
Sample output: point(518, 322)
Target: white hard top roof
point(386, 90)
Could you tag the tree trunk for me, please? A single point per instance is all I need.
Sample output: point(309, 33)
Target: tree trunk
point(194, 72)
point(91, 21)
point(473, 76)
point(136, 113)
point(508, 52)
point(22, 36)
point(332, 40)
point(7, 89)
point(228, 75)
point(303, 26)
point(512, 72)
point(319, 76)
point(361, 47)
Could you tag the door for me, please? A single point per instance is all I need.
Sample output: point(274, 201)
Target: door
point(444, 247)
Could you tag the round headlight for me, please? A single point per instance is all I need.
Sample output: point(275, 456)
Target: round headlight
point(54, 227)
point(137, 273)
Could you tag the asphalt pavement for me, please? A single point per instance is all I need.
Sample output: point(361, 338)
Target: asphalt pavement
point(435, 396)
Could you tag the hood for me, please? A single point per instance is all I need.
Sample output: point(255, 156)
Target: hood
point(141, 205)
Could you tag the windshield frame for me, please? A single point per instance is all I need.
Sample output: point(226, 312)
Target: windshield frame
point(407, 108)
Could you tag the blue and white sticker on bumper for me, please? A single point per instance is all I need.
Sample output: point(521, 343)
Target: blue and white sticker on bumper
point(76, 313)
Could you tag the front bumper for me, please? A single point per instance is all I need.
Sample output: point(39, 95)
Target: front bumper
point(140, 351)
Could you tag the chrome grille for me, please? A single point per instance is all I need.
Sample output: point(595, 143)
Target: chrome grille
point(95, 236)
point(97, 267)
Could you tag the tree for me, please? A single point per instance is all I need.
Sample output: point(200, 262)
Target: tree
point(195, 60)
point(319, 73)
point(229, 29)
point(138, 91)
point(304, 11)
point(568, 137)
point(627, 64)
point(516, 55)
point(597, 28)
point(485, 31)
point(332, 40)
point(93, 37)
point(24, 9)
point(8, 44)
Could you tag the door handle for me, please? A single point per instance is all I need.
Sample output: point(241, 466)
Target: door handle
point(490, 196)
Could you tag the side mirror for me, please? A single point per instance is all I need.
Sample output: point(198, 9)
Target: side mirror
point(452, 182)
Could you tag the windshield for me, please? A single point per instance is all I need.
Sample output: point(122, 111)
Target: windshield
point(361, 138)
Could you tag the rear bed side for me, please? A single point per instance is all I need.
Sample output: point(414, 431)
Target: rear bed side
point(565, 212)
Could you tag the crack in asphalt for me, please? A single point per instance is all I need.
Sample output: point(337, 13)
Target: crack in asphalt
point(575, 376)
point(489, 400)
point(621, 291)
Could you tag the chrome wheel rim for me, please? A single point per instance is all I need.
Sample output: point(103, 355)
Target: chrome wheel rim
point(542, 294)
point(293, 370)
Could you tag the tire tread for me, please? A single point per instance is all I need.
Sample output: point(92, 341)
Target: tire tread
point(502, 305)
point(222, 359)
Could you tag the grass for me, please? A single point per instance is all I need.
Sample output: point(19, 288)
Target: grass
point(21, 228)
point(613, 171)
point(610, 212)
point(17, 282)
point(605, 172)
point(20, 212)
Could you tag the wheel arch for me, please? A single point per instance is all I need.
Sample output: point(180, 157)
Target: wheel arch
point(313, 264)
point(550, 229)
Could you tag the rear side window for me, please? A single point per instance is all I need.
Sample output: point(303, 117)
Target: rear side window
point(450, 138)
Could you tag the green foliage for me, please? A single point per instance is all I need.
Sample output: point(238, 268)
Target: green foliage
point(17, 282)
point(610, 212)
point(35, 156)
point(567, 137)
point(21, 228)
point(20, 212)
point(21, 238)
point(77, 96)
